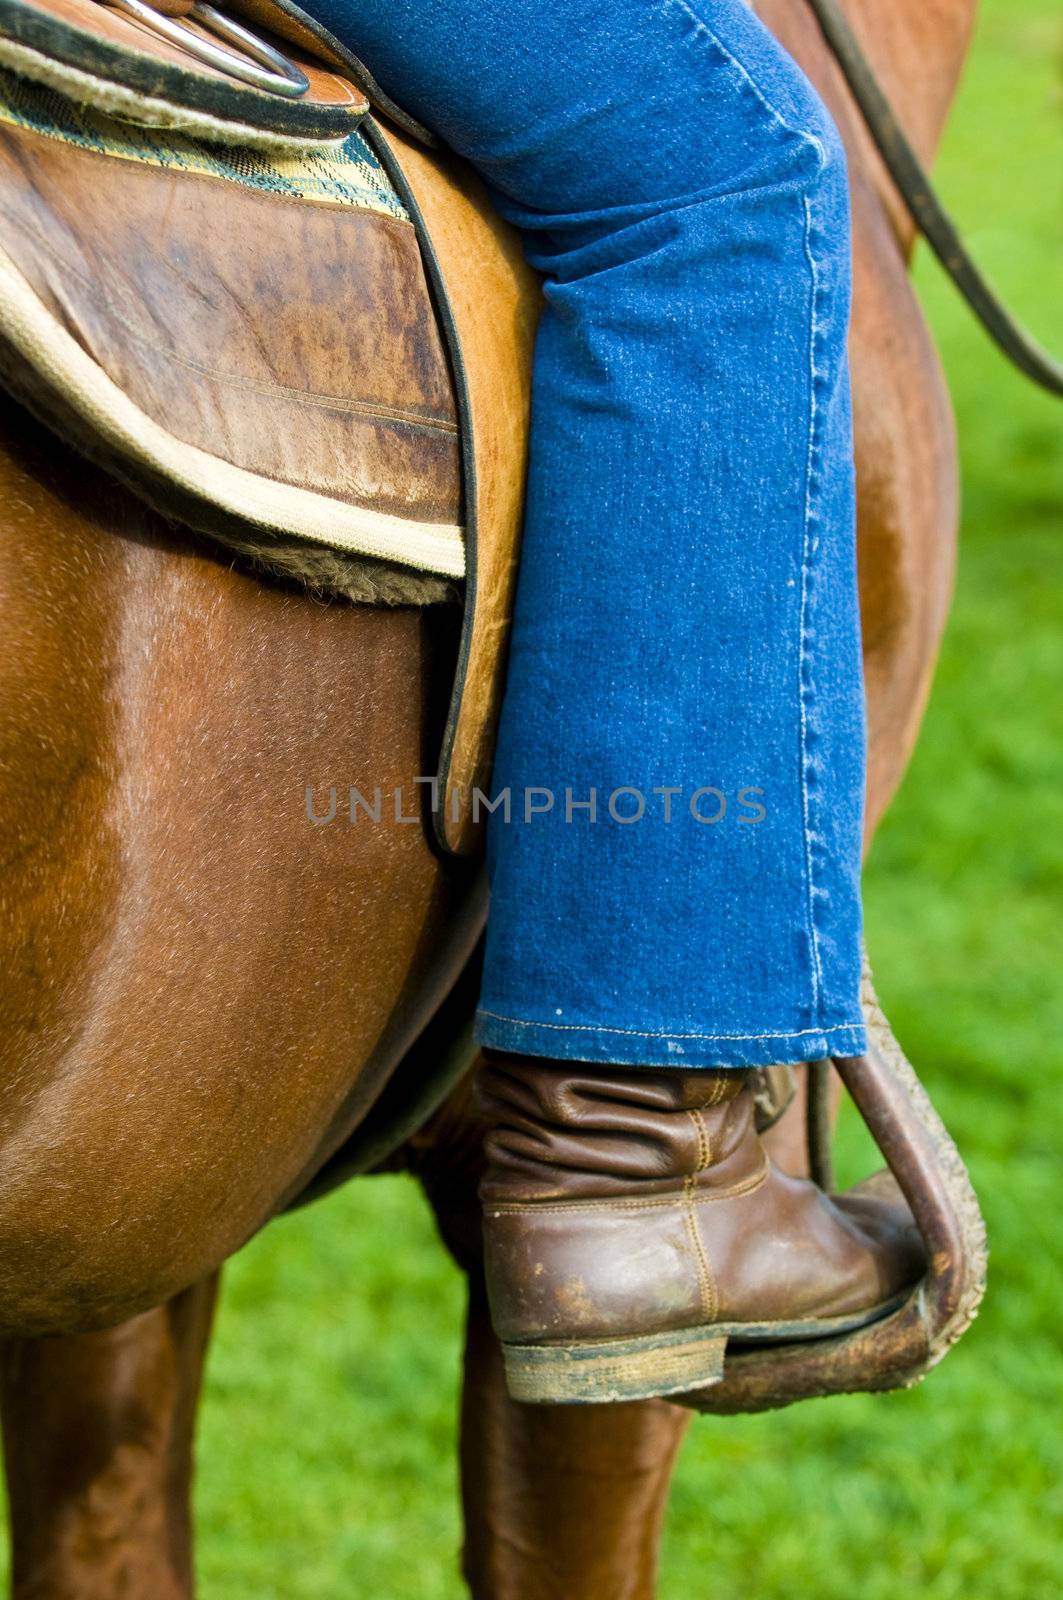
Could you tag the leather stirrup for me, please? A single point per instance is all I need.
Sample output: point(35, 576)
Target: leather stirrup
point(898, 1351)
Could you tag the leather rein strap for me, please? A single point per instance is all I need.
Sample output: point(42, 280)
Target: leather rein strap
point(929, 215)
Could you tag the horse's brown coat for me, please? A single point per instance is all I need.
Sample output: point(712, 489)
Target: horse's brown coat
point(201, 991)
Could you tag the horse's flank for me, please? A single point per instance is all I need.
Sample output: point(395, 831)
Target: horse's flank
point(201, 989)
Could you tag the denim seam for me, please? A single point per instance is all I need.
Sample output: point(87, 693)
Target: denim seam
point(642, 1033)
point(803, 664)
point(807, 139)
point(805, 687)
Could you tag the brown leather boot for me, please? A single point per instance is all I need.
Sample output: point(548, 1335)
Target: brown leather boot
point(634, 1225)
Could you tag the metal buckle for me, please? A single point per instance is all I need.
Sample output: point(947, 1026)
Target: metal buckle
point(258, 63)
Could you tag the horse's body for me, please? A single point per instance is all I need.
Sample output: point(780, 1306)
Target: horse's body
point(202, 992)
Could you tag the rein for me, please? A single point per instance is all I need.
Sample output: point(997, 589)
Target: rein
point(928, 213)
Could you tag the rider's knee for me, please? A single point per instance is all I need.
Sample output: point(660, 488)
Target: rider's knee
point(791, 141)
point(811, 153)
point(832, 169)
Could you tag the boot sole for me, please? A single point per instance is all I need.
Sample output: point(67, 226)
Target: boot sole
point(654, 1365)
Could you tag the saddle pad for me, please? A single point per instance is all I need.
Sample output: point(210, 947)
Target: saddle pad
point(249, 340)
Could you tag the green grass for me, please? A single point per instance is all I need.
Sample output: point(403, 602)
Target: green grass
point(327, 1445)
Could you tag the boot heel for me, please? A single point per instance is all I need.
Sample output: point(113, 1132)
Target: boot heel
point(615, 1369)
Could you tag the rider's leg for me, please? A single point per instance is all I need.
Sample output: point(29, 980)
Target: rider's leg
point(687, 615)
point(682, 736)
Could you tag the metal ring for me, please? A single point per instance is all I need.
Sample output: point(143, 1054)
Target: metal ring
point(258, 64)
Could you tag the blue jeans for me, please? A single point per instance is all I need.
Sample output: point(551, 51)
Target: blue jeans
point(682, 739)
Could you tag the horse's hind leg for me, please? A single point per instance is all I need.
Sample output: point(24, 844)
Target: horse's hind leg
point(560, 1502)
point(98, 1452)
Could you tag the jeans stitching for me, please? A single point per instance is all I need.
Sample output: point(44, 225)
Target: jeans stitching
point(643, 1033)
point(808, 139)
point(805, 685)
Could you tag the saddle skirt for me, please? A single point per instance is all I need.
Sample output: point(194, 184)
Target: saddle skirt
point(245, 335)
point(315, 350)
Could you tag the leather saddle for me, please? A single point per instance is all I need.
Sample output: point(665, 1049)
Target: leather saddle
point(239, 277)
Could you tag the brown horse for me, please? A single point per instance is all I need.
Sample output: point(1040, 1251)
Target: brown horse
point(202, 993)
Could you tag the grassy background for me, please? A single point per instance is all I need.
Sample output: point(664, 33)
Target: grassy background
point(327, 1444)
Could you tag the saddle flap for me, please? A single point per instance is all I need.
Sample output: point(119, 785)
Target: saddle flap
point(491, 300)
point(188, 66)
point(246, 338)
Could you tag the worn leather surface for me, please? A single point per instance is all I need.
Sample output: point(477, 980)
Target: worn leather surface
point(493, 303)
point(620, 1204)
point(293, 339)
point(113, 48)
